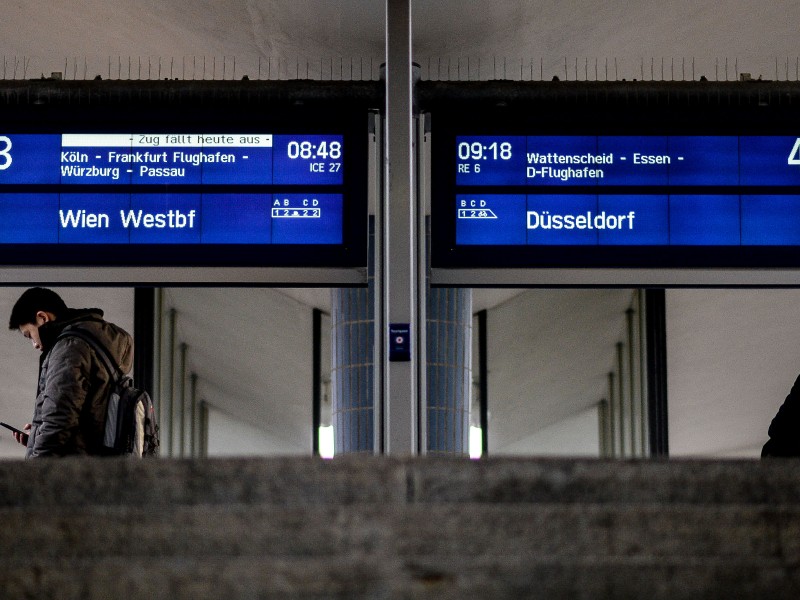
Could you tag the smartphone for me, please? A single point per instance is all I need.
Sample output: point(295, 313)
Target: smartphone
point(14, 429)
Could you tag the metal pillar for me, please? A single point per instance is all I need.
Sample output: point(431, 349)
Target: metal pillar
point(316, 378)
point(483, 379)
point(621, 399)
point(645, 446)
point(144, 324)
point(631, 381)
point(375, 278)
point(182, 382)
point(203, 429)
point(399, 227)
point(612, 416)
point(158, 331)
point(603, 425)
point(656, 332)
point(423, 288)
point(193, 422)
point(170, 387)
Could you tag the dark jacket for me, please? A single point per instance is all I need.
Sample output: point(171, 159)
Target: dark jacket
point(71, 397)
point(784, 431)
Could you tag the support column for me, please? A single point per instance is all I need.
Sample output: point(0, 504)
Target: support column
point(144, 325)
point(182, 398)
point(403, 428)
point(169, 387)
point(483, 379)
point(621, 400)
point(193, 421)
point(631, 380)
point(353, 363)
point(656, 334)
point(147, 343)
point(353, 369)
point(602, 425)
point(643, 413)
point(203, 442)
point(316, 378)
point(612, 417)
point(449, 369)
point(399, 275)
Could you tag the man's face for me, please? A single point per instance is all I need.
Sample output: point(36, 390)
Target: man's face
point(31, 330)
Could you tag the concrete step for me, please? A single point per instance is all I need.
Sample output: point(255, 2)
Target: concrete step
point(389, 528)
point(465, 531)
point(368, 577)
point(358, 480)
point(163, 482)
point(203, 578)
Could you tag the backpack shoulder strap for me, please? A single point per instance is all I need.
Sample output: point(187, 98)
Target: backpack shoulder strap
point(100, 349)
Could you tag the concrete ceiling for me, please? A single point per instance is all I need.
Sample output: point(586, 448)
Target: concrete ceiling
point(85, 38)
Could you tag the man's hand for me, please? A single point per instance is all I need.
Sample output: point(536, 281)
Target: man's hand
point(22, 438)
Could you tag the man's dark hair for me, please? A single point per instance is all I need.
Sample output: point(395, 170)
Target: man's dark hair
point(31, 302)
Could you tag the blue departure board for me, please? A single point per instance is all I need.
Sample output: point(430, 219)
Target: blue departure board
point(561, 193)
point(165, 188)
point(224, 199)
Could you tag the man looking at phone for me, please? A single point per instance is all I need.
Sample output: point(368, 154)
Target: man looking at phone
point(73, 387)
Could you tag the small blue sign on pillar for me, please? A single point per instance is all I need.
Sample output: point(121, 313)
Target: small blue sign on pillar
point(399, 342)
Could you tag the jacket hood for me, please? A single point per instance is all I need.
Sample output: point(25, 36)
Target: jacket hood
point(117, 340)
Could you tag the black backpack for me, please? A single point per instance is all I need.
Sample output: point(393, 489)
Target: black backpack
point(131, 426)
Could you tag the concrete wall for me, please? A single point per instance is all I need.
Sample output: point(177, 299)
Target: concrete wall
point(228, 436)
point(549, 355)
point(252, 350)
point(732, 358)
point(577, 435)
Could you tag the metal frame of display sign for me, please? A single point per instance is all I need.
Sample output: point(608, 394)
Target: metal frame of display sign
point(250, 182)
point(636, 183)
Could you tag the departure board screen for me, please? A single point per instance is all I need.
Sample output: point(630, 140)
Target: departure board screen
point(220, 190)
point(608, 200)
point(682, 195)
point(258, 175)
point(154, 188)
